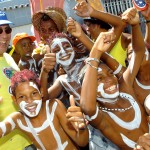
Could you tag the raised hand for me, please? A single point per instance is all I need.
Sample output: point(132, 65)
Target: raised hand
point(143, 142)
point(131, 16)
point(74, 28)
point(104, 41)
point(83, 9)
point(75, 116)
point(49, 60)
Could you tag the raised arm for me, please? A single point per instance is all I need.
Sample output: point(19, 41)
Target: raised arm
point(131, 17)
point(89, 86)
point(75, 30)
point(83, 9)
point(146, 15)
point(48, 63)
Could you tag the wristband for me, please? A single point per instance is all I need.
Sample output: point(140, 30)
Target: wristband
point(118, 69)
point(91, 59)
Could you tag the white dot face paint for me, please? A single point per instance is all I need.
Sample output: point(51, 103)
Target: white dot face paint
point(32, 109)
point(64, 51)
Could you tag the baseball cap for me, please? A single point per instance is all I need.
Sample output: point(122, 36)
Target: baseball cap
point(3, 18)
point(20, 36)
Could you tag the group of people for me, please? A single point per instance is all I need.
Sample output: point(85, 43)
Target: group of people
point(83, 86)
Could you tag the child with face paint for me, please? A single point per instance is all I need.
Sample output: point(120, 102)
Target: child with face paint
point(47, 123)
point(110, 104)
point(65, 56)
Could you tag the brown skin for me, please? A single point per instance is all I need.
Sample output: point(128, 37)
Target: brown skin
point(70, 121)
point(83, 9)
point(74, 29)
point(88, 101)
point(47, 28)
point(25, 47)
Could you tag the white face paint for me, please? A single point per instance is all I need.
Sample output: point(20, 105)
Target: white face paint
point(105, 95)
point(66, 55)
point(34, 85)
point(100, 89)
point(31, 110)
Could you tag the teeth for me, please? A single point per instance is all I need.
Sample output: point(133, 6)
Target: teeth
point(31, 107)
point(111, 88)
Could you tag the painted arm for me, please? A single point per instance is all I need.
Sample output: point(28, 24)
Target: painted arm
point(89, 85)
point(73, 123)
point(131, 17)
point(8, 124)
point(113, 64)
point(146, 15)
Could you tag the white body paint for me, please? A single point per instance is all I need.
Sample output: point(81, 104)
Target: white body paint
point(3, 128)
point(147, 103)
point(62, 52)
point(145, 87)
point(118, 69)
point(147, 54)
point(92, 117)
point(135, 123)
point(131, 64)
point(13, 125)
point(47, 123)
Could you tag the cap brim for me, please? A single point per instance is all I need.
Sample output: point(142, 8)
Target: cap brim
point(5, 22)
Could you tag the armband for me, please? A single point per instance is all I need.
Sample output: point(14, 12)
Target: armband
point(3, 128)
point(147, 102)
point(92, 117)
point(118, 69)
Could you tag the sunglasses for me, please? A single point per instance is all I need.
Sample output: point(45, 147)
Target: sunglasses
point(7, 30)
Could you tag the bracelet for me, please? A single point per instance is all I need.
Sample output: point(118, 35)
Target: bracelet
point(147, 21)
point(94, 116)
point(92, 65)
point(91, 59)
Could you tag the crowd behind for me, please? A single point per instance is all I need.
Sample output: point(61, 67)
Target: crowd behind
point(82, 86)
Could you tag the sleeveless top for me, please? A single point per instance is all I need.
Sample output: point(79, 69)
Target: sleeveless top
point(119, 53)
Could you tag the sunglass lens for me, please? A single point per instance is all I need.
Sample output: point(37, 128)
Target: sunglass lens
point(1, 30)
point(8, 30)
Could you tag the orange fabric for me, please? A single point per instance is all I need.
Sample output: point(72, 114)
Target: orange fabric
point(20, 36)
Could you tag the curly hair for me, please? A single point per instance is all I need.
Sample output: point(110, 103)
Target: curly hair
point(23, 76)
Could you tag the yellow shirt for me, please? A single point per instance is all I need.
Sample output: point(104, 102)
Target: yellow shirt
point(15, 140)
point(119, 53)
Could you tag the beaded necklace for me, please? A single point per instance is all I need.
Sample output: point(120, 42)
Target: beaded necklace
point(124, 96)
